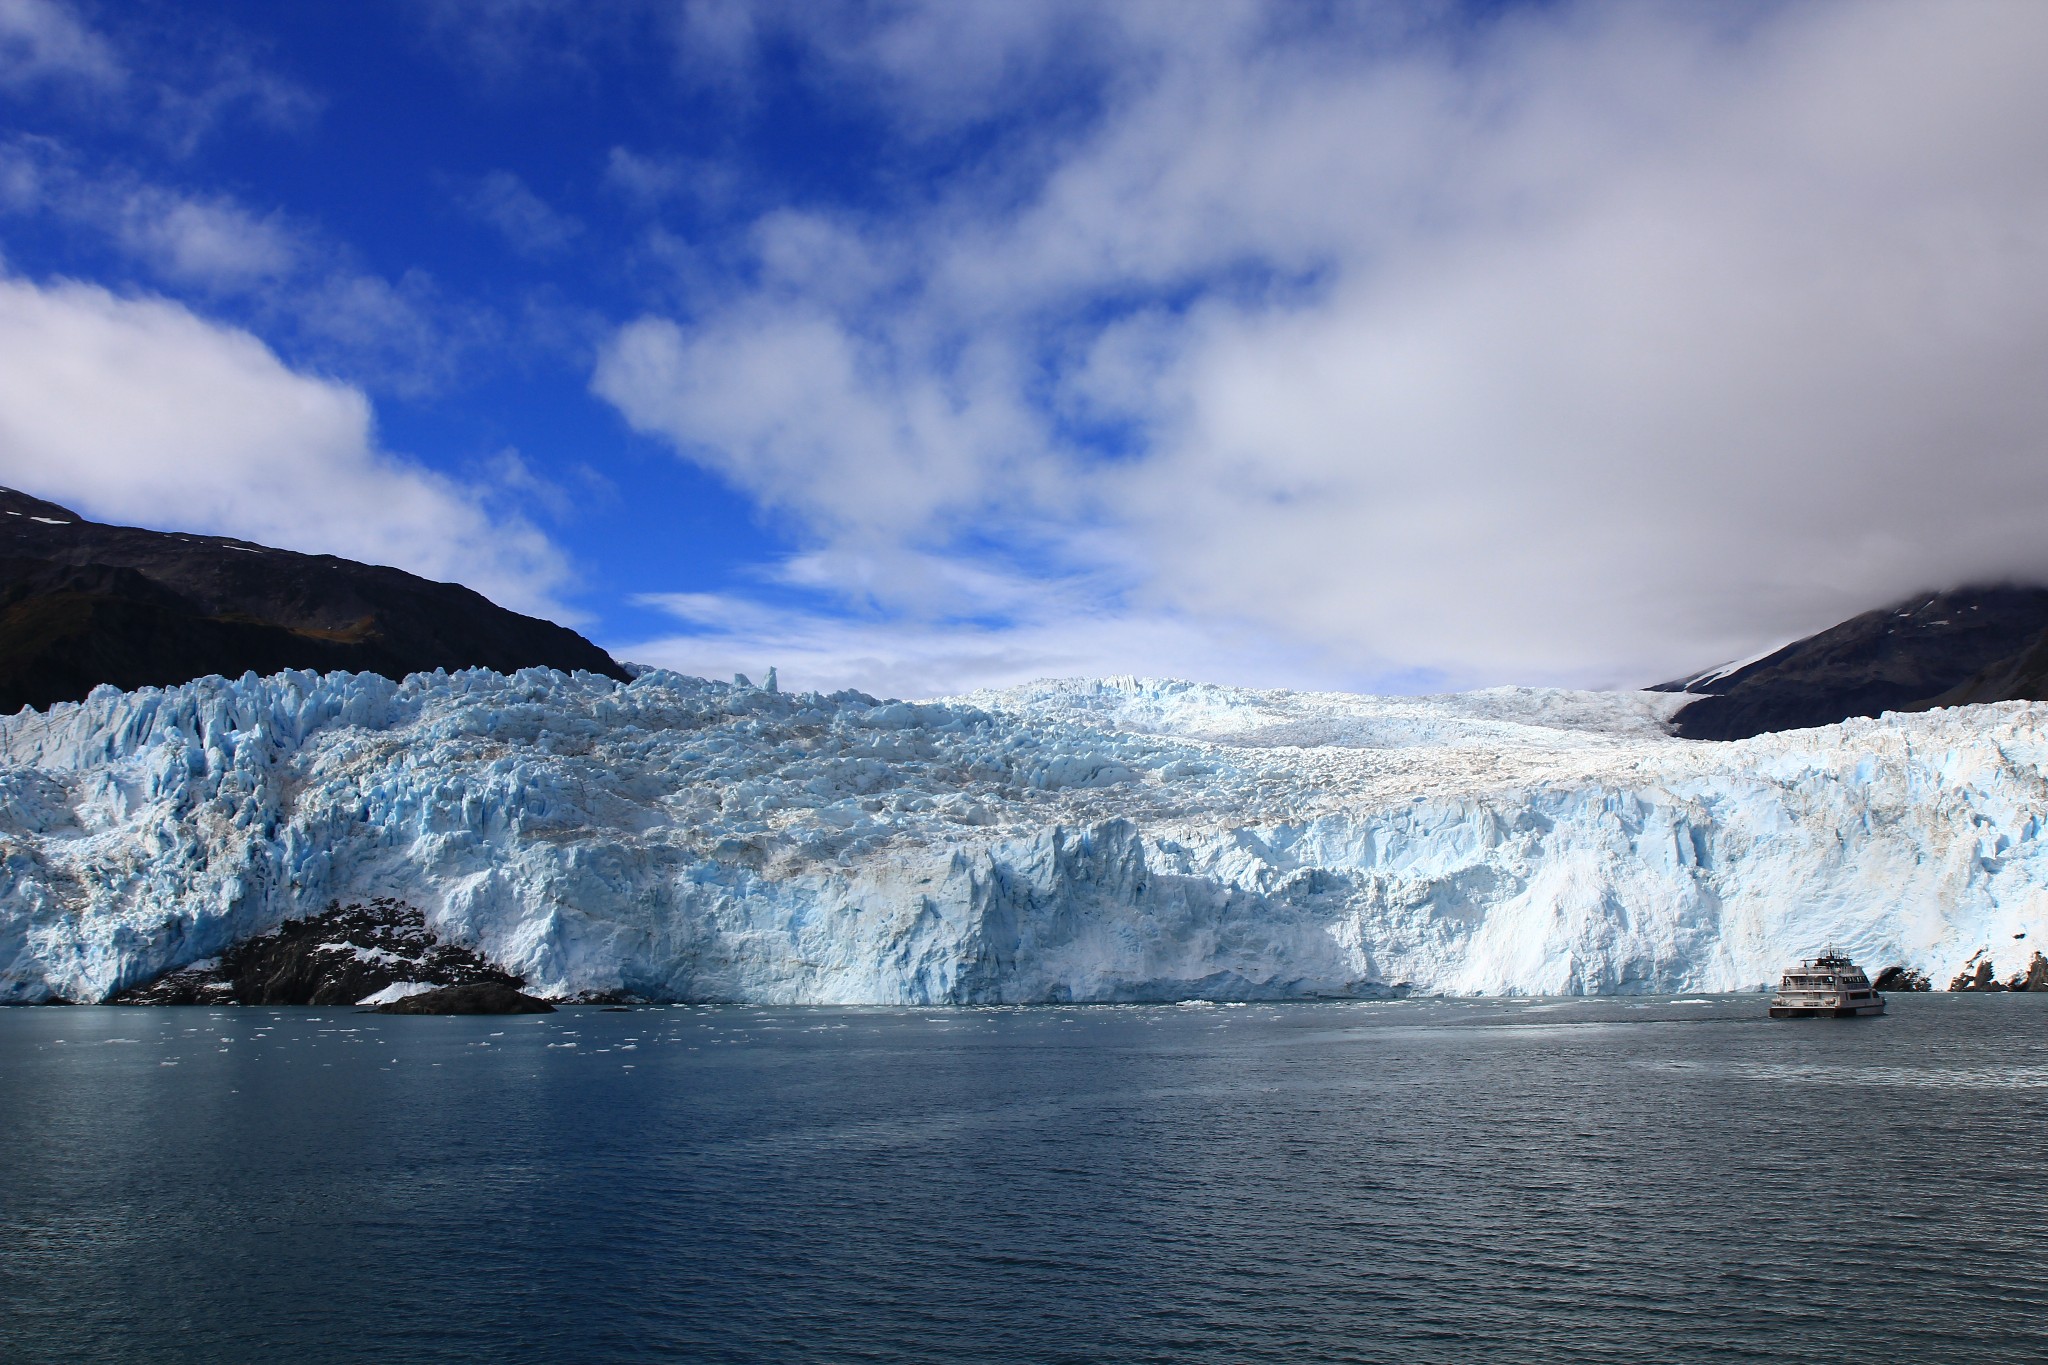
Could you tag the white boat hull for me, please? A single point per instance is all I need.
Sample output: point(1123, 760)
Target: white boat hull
point(1861, 1007)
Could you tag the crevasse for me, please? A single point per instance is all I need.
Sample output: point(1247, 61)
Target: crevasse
point(1122, 839)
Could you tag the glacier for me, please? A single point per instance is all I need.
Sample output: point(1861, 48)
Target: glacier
point(1104, 840)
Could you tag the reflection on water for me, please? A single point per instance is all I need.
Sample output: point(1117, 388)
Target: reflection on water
point(1397, 1180)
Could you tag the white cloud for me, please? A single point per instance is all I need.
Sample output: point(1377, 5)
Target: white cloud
point(403, 336)
point(811, 418)
point(1592, 346)
point(224, 80)
point(528, 224)
point(137, 410)
point(42, 40)
point(287, 277)
point(646, 179)
point(1049, 630)
point(205, 241)
point(177, 95)
point(508, 41)
point(649, 180)
point(209, 241)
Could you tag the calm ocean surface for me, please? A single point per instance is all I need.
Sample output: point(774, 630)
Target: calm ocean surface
point(1667, 1180)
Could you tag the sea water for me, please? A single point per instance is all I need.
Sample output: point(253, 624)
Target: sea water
point(1605, 1179)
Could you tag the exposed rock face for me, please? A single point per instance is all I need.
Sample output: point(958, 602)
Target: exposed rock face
point(1974, 644)
point(1978, 974)
point(2022, 677)
point(83, 604)
point(337, 958)
point(2034, 978)
point(201, 983)
point(1902, 978)
point(483, 997)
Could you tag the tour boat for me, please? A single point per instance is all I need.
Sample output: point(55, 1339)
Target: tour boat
point(1826, 987)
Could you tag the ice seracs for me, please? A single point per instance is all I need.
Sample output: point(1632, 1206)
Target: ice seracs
point(1119, 839)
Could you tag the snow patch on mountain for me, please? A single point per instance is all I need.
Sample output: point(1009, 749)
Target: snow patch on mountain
point(1118, 839)
point(397, 990)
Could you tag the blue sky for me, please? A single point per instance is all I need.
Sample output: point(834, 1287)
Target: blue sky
point(922, 346)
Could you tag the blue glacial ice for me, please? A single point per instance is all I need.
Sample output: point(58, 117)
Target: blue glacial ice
point(1120, 839)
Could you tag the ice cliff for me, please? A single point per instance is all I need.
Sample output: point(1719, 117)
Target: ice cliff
point(1110, 840)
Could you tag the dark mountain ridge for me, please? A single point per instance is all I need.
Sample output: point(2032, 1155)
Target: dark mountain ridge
point(1980, 643)
point(83, 603)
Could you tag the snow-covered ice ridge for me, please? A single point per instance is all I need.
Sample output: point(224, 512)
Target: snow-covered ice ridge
point(1122, 839)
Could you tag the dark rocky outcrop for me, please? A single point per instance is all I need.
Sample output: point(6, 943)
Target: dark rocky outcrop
point(336, 958)
point(83, 604)
point(2034, 978)
point(483, 997)
point(1901, 978)
point(1973, 644)
point(2022, 677)
point(199, 983)
point(1978, 974)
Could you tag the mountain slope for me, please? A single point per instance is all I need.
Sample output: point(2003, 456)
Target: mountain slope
point(83, 604)
point(2023, 677)
point(1973, 644)
point(1125, 840)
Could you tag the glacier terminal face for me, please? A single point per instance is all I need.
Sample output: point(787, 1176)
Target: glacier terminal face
point(1109, 840)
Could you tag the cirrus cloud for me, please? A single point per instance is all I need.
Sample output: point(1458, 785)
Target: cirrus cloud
point(41, 41)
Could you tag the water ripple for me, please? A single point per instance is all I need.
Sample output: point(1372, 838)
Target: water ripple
point(1414, 1181)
